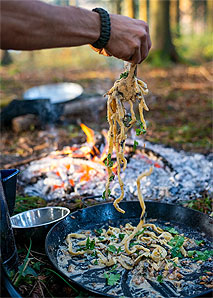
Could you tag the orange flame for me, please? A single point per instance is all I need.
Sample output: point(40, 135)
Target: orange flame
point(89, 133)
point(88, 151)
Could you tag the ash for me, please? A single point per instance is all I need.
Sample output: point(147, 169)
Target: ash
point(59, 177)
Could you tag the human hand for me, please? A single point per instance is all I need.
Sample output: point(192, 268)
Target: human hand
point(129, 39)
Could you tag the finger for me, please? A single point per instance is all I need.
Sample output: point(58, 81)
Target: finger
point(136, 57)
point(149, 42)
point(144, 50)
point(148, 37)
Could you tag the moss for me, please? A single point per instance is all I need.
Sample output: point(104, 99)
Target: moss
point(27, 203)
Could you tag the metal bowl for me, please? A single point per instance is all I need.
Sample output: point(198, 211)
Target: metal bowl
point(36, 223)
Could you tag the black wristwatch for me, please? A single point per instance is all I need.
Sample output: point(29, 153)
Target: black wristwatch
point(105, 29)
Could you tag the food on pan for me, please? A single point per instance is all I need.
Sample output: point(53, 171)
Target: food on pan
point(151, 253)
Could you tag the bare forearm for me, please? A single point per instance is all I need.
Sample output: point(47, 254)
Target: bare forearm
point(33, 25)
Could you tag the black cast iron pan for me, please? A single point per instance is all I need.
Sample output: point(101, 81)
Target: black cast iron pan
point(192, 223)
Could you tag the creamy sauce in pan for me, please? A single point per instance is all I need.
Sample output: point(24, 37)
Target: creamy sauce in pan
point(136, 283)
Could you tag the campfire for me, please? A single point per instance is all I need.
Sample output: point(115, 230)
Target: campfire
point(80, 171)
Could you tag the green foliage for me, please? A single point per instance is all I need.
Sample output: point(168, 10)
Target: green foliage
point(158, 59)
point(24, 269)
point(203, 204)
point(195, 48)
point(27, 203)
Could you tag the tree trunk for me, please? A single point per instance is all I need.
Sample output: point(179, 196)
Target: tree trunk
point(143, 10)
point(118, 6)
point(6, 58)
point(130, 8)
point(185, 7)
point(209, 15)
point(175, 16)
point(161, 33)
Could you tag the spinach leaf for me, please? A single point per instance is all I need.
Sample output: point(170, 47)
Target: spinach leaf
point(90, 244)
point(104, 194)
point(124, 75)
point(176, 242)
point(171, 230)
point(135, 145)
point(112, 248)
point(140, 232)
point(160, 278)
point(200, 255)
point(121, 236)
point(112, 279)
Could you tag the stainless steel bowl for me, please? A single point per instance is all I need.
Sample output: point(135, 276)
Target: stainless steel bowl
point(36, 223)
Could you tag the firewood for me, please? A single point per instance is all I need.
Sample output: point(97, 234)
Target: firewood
point(23, 161)
point(24, 123)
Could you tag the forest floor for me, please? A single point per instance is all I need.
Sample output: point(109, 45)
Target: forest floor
point(180, 116)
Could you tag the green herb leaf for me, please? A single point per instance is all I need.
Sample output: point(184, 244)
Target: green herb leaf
point(111, 178)
point(140, 232)
point(175, 252)
point(200, 255)
point(124, 75)
point(113, 268)
point(135, 145)
point(140, 130)
point(121, 236)
point(108, 162)
point(112, 278)
point(171, 230)
point(119, 250)
point(99, 231)
point(191, 253)
point(104, 194)
point(176, 242)
point(112, 248)
point(160, 278)
point(90, 244)
point(96, 262)
point(94, 254)
point(198, 242)
point(133, 243)
point(101, 238)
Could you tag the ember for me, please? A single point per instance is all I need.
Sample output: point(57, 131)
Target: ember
point(80, 171)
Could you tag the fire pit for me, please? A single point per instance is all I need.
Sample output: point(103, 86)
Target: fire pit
point(80, 171)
